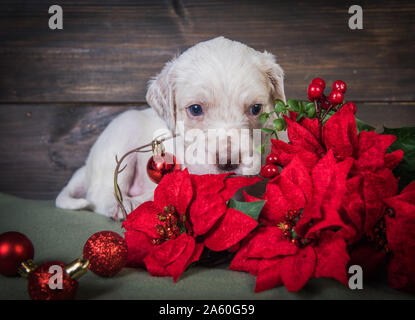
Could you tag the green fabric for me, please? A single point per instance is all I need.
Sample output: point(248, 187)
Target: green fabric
point(59, 235)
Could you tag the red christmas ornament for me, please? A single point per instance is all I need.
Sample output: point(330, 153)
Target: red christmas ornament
point(272, 158)
point(269, 171)
point(106, 252)
point(161, 163)
point(336, 97)
point(314, 91)
point(320, 82)
point(339, 85)
point(15, 248)
point(45, 283)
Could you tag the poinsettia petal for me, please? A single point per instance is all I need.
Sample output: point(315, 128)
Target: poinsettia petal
point(331, 220)
point(329, 182)
point(139, 245)
point(269, 242)
point(311, 125)
point(144, 218)
point(398, 276)
point(168, 251)
point(392, 160)
point(332, 257)
point(205, 210)
point(209, 183)
point(249, 198)
point(299, 176)
point(340, 133)
point(372, 150)
point(233, 184)
point(407, 195)
point(241, 262)
point(177, 267)
point(174, 189)
point(296, 270)
point(377, 187)
point(231, 228)
point(302, 137)
point(286, 152)
point(268, 275)
point(353, 201)
point(368, 257)
point(276, 205)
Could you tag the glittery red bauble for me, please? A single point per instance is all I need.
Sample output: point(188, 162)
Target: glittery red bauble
point(15, 248)
point(39, 283)
point(160, 165)
point(106, 252)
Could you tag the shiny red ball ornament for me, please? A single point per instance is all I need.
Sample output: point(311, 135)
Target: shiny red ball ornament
point(336, 97)
point(314, 92)
point(339, 85)
point(106, 252)
point(272, 158)
point(160, 165)
point(15, 248)
point(269, 171)
point(320, 82)
point(39, 283)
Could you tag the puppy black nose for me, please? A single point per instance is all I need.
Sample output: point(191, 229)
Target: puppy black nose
point(228, 166)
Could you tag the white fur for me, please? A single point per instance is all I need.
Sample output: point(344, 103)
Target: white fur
point(225, 77)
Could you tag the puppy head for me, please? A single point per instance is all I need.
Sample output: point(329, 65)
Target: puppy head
point(217, 85)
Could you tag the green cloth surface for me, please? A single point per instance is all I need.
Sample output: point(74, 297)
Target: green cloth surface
point(60, 235)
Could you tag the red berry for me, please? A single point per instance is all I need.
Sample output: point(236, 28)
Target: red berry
point(320, 82)
point(269, 171)
point(272, 158)
point(314, 92)
point(324, 103)
point(340, 85)
point(350, 105)
point(336, 97)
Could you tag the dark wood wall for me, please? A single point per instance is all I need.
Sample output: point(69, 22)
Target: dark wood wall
point(60, 88)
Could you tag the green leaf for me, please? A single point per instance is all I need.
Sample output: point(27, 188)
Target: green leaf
point(405, 140)
point(264, 117)
point(252, 209)
point(311, 112)
point(280, 106)
point(294, 105)
point(300, 116)
point(267, 130)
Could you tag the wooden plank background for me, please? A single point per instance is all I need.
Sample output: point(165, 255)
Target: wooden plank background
point(59, 88)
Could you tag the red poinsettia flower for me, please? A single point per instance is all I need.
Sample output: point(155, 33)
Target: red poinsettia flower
point(298, 239)
point(400, 233)
point(339, 135)
point(189, 212)
point(369, 181)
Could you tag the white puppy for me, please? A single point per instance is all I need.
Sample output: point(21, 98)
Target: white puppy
point(215, 85)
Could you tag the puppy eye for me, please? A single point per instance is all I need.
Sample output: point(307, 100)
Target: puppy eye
point(255, 109)
point(195, 110)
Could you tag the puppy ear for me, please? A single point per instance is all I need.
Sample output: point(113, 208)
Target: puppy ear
point(274, 73)
point(160, 95)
